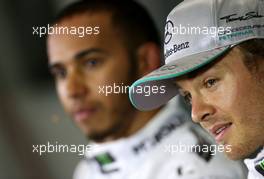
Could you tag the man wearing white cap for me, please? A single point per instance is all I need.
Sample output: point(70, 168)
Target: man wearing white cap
point(128, 144)
point(214, 51)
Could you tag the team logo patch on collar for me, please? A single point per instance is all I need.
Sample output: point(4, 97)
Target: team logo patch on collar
point(106, 161)
point(260, 166)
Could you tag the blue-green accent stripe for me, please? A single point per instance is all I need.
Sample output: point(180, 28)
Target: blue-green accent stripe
point(147, 79)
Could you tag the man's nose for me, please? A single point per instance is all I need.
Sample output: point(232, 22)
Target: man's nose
point(201, 110)
point(76, 85)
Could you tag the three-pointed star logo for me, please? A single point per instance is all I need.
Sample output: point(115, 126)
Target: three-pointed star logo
point(168, 31)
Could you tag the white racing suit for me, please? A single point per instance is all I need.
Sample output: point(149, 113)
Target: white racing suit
point(256, 166)
point(151, 154)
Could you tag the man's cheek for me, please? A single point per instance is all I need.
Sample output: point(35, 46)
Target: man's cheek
point(62, 94)
point(61, 90)
point(205, 128)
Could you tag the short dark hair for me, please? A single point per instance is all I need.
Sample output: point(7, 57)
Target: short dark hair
point(252, 50)
point(132, 19)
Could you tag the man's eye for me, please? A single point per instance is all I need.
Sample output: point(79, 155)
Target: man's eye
point(210, 83)
point(59, 73)
point(92, 63)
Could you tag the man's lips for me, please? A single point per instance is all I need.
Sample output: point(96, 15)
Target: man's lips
point(84, 114)
point(219, 130)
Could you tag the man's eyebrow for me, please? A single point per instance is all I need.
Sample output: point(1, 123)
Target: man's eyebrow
point(88, 52)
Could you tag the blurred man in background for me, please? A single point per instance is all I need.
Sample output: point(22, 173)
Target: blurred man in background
point(120, 45)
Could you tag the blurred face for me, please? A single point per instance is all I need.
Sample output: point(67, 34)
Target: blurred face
point(228, 101)
point(84, 65)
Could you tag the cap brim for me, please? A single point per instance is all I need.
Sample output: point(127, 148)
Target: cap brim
point(157, 88)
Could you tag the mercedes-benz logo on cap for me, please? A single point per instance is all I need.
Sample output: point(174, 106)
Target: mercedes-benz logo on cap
point(168, 28)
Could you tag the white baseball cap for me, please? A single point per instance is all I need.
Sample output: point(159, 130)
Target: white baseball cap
point(196, 33)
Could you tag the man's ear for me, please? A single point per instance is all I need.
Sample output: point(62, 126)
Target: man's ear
point(149, 59)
